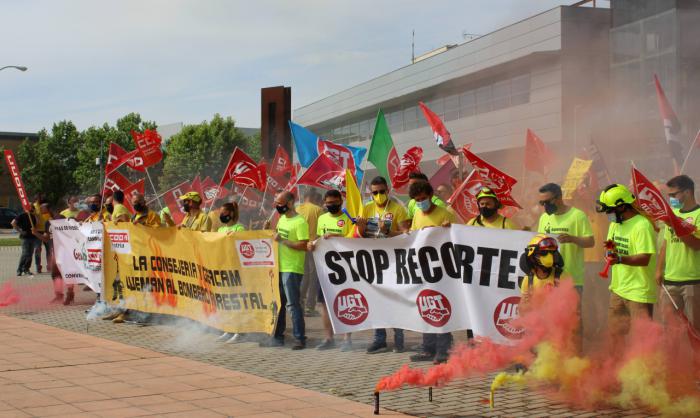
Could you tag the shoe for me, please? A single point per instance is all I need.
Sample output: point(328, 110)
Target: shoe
point(119, 319)
point(440, 358)
point(224, 337)
point(38, 270)
point(346, 346)
point(326, 345)
point(70, 297)
point(272, 342)
point(377, 347)
point(398, 349)
point(236, 338)
point(311, 313)
point(423, 356)
point(58, 298)
point(19, 273)
point(298, 345)
point(111, 316)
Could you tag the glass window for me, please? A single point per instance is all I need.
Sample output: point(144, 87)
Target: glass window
point(410, 118)
point(520, 90)
point(484, 99)
point(436, 105)
point(626, 42)
point(451, 107)
point(467, 104)
point(395, 121)
point(364, 129)
point(501, 95)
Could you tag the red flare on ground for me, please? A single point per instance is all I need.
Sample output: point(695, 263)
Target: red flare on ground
point(8, 295)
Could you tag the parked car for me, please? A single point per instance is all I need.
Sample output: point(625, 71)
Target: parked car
point(6, 216)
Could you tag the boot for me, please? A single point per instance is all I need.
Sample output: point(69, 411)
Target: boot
point(111, 316)
point(119, 319)
point(70, 297)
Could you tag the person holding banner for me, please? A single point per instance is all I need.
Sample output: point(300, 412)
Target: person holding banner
point(633, 261)
point(293, 237)
point(72, 211)
point(24, 223)
point(679, 257)
point(120, 213)
point(333, 223)
point(196, 219)
point(97, 214)
point(228, 216)
point(488, 216)
point(143, 214)
point(411, 205)
point(381, 218)
point(427, 215)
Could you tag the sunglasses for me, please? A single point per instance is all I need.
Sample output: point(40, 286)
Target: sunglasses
point(376, 192)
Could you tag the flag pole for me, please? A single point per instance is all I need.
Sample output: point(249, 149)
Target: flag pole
point(155, 192)
point(690, 151)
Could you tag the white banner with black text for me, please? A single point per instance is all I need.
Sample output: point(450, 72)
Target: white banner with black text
point(78, 249)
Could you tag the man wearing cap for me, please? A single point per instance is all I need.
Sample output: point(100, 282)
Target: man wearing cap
point(488, 216)
point(196, 219)
point(143, 214)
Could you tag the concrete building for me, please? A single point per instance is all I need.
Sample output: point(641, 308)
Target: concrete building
point(576, 75)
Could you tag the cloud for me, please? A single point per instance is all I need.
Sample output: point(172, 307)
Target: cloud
point(92, 61)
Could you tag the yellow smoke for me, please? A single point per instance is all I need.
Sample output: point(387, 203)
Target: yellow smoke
point(553, 366)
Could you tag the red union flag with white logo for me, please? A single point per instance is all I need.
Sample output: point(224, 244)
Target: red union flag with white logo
point(281, 163)
point(338, 153)
point(495, 179)
point(324, 173)
point(242, 169)
point(116, 181)
point(652, 202)
point(440, 133)
point(131, 191)
point(434, 280)
point(409, 163)
point(463, 199)
point(148, 145)
point(172, 200)
point(117, 156)
point(13, 168)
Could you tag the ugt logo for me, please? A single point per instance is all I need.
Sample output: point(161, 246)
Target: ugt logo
point(507, 311)
point(434, 307)
point(350, 307)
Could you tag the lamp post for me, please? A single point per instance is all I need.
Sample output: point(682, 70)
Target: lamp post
point(16, 67)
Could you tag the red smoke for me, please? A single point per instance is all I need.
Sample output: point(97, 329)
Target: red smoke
point(8, 295)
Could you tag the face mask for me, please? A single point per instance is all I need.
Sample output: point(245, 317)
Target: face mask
point(186, 207)
point(282, 209)
point(94, 207)
point(109, 207)
point(380, 198)
point(225, 219)
point(140, 207)
point(675, 203)
point(487, 212)
point(333, 208)
point(550, 208)
point(424, 205)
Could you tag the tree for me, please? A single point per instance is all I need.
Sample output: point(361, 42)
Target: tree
point(48, 164)
point(94, 143)
point(204, 150)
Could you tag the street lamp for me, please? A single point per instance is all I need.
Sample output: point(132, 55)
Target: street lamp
point(17, 67)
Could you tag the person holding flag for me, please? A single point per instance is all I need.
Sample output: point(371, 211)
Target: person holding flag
point(196, 219)
point(24, 223)
point(633, 260)
point(488, 216)
point(411, 205)
point(383, 217)
point(435, 346)
point(333, 223)
point(293, 236)
point(679, 257)
point(573, 231)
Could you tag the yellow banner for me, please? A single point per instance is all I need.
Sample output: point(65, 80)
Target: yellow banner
point(574, 177)
point(229, 282)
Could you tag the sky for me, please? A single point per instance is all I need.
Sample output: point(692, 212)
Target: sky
point(94, 61)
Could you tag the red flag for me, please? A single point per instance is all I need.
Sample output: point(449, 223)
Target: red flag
point(148, 146)
point(651, 201)
point(17, 180)
point(672, 126)
point(292, 184)
point(444, 174)
point(281, 163)
point(440, 132)
point(324, 173)
point(243, 170)
point(410, 162)
point(115, 181)
point(338, 153)
point(132, 190)
point(117, 156)
point(498, 181)
point(463, 199)
point(196, 186)
point(172, 200)
point(538, 156)
point(211, 191)
point(250, 201)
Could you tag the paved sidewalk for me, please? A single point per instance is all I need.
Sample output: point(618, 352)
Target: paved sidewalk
point(45, 371)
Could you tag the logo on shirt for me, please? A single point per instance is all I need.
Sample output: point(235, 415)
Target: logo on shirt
point(507, 311)
point(350, 307)
point(434, 307)
point(341, 223)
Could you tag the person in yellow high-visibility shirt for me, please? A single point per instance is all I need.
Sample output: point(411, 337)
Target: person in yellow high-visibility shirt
point(310, 210)
point(411, 205)
point(120, 213)
point(679, 258)
point(428, 214)
point(488, 216)
point(333, 223)
point(633, 260)
point(196, 219)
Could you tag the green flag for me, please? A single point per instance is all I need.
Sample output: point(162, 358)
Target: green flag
point(382, 152)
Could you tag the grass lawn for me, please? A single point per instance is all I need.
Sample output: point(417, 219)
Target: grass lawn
point(10, 242)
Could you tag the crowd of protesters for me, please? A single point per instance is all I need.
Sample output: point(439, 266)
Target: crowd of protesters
point(639, 268)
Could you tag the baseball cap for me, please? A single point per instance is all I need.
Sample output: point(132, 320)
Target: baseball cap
point(191, 196)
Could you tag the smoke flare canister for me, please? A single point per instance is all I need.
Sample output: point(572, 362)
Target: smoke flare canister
point(430, 394)
point(376, 403)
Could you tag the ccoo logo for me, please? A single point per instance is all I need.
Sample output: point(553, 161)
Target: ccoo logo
point(505, 313)
point(434, 307)
point(350, 307)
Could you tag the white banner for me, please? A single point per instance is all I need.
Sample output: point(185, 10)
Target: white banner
point(433, 281)
point(78, 248)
